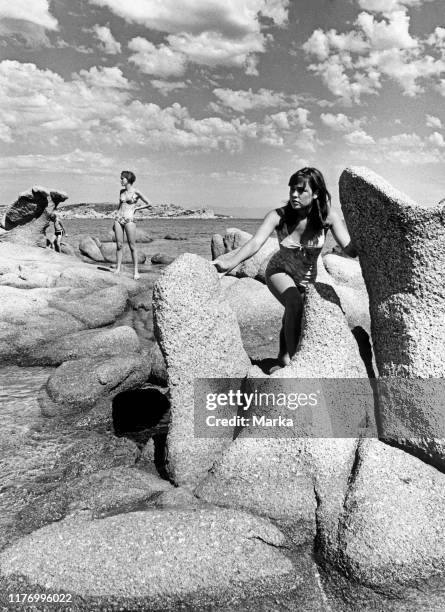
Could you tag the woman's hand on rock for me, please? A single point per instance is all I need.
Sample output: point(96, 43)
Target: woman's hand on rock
point(222, 265)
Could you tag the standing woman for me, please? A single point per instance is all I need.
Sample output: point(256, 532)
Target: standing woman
point(124, 223)
point(301, 226)
point(59, 232)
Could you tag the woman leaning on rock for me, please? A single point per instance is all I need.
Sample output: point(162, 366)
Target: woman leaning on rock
point(301, 226)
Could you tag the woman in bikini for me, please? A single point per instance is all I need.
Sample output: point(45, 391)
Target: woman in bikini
point(301, 226)
point(124, 223)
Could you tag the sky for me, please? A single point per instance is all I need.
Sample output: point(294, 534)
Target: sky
point(215, 103)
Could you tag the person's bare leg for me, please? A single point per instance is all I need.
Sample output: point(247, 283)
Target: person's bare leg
point(130, 230)
point(283, 355)
point(57, 244)
point(283, 288)
point(119, 234)
point(292, 318)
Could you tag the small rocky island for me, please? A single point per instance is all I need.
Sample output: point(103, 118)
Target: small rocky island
point(106, 210)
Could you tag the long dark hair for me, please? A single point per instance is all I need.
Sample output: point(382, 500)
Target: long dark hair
point(320, 207)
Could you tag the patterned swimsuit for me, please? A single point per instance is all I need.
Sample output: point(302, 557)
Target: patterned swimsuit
point(297, 260)
point(125, 213)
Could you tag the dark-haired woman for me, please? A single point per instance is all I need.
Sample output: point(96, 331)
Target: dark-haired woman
point(124, 223)
point(301, 227)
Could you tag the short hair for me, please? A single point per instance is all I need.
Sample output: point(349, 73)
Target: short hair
point(129, 175)
point(52, 216)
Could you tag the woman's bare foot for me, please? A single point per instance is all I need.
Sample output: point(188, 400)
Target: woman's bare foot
point(116, 271)
point(136, 276)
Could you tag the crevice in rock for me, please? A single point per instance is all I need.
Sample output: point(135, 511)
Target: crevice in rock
point(317, 549)
point(365, 349)
point(142, 414)
point(279, 547)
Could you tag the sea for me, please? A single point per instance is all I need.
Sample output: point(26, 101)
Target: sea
point(196, 234)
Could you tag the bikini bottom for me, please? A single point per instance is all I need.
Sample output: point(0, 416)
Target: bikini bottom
point(123, 221)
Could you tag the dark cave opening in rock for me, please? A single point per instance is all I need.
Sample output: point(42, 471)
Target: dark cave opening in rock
point(142, 414)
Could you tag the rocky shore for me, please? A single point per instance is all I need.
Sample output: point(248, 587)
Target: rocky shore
point(110, 493)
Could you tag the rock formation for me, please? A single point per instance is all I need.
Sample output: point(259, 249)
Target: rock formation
point(234, 239)
point(106, 251)
point(79, 384)
point(255, 503)
point(391, 524)
point(199, 338)
point(28, 217)
point(258, 314)
point(402, 253)
point(288, 478)
point(227, 555)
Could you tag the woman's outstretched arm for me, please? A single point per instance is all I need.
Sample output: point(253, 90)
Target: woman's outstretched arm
point(144, 199)
point(226, 263)
point(341, 234)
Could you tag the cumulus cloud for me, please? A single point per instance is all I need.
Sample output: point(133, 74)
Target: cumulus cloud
point(233, 17)
point(437, 38)
point(206, 32)
point(433, 122)
point(74, 162)
point(359, 137)
point(290, 128)
point(215, 49)
point(108, 43)
point(389, 6)
point(340, 122)
point(405, 149)
point(436, 139)
point(166, 87)
point(162, 61)
point(307, 140)
point(96, 108)
point(356, 63)
point(36, 12)
point(244, 100)
point(103, 77)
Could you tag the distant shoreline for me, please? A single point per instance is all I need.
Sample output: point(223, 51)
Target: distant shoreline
point(107, 210)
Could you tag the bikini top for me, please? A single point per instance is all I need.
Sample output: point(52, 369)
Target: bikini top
point(290, 241)
point(131, 200)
